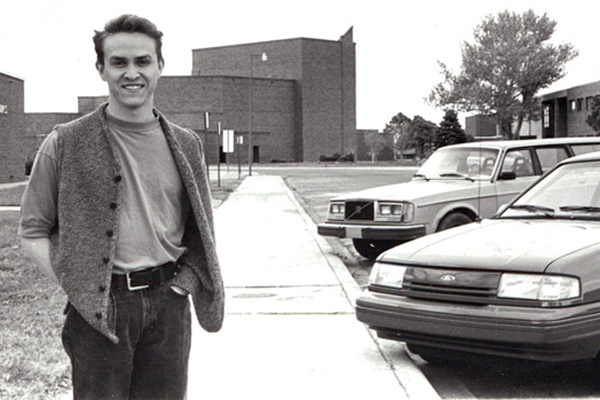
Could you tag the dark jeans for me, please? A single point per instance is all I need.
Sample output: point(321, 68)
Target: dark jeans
point(151, 359)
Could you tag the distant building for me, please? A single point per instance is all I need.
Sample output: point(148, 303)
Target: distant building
point(12, 134)
point(564, 112)
point(303, 102)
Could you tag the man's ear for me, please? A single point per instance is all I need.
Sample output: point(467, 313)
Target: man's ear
point(161, 66)
point(100, 69)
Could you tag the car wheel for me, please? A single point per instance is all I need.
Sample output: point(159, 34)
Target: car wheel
point(372, 248)
point(454, 219)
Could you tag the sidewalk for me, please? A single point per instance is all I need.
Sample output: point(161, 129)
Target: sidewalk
point(290, 330)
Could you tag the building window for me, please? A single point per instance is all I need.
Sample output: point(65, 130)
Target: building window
point(579, 104)
point(546, 116)
point(572, 105)
point(588, 103)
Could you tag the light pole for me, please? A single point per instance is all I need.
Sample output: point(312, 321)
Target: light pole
point(263, 57)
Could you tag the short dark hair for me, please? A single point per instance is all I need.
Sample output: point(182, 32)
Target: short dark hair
point(127, 23)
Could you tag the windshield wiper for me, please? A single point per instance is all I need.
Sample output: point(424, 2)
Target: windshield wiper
point(455, 175)
point(591, 209)
point(421, 176)
point(549, 212)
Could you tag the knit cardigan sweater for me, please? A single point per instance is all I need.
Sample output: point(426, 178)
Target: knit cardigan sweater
point(89, 202)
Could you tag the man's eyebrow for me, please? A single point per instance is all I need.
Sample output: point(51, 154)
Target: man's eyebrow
point(139, 58)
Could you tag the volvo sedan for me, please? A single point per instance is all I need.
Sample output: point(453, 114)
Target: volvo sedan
point(458, 184)
point(523, 284)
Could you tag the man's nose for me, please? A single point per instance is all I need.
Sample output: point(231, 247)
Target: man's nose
point(132, 72)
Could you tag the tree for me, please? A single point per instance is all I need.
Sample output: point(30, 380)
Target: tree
point(396, 134)
point(503, 70)
point(420, 136)
point(449, 132)
point(593, 119)
point(375, 142)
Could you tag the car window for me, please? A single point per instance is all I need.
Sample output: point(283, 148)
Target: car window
point(550, 156)
point(519, 162)
point(568, 186)
point(585, 148)
point(453, 163)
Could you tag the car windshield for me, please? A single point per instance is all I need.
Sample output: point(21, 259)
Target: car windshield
point(571, 191)
point(459, 163)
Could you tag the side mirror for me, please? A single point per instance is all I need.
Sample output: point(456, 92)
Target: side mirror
point(507, 176)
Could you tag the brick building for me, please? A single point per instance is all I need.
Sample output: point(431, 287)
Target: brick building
point(12, 134)
point(564, 112)
point(302, 100)
point(303, 95)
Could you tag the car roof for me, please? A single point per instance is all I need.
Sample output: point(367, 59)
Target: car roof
point(504, 144)
point(594, 156)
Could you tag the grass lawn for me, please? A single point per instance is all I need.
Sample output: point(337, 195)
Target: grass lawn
point(33, 364)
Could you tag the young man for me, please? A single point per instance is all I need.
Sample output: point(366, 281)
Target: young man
point(118, 212)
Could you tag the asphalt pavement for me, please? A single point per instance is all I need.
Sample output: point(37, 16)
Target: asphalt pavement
point(290, 331)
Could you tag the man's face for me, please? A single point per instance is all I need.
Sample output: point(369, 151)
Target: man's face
point(131, 70)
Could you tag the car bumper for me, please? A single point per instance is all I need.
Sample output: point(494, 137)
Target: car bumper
point(541, 334)
point(373, 232)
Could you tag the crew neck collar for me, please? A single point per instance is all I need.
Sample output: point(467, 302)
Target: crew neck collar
point(129, 125)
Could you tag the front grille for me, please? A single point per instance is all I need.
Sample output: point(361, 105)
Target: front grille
point(461, 286)
point(360, 211)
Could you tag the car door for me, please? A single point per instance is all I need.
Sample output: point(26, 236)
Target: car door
point(519, 165)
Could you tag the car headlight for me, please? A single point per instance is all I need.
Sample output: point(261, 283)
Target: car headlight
point(538, 287)
point(387, 275)
point(337, 210)
point(394, 211)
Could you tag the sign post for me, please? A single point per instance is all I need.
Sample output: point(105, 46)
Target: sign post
point(218, 154)
point(239, 141)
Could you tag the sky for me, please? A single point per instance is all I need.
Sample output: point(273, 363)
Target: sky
point(398, 43)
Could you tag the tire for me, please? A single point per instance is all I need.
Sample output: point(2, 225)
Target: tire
point(452, 220)
point(372, 248)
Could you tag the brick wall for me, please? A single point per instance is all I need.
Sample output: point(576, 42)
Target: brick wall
point(324, 72)
point(578, 108)
point(12, 155)
point(185, 100)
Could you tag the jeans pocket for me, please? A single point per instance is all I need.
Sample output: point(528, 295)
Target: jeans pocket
point(176, 291)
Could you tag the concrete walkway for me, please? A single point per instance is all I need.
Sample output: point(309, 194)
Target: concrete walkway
point(290, 331)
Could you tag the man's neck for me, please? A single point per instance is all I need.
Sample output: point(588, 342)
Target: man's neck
point(142, 114)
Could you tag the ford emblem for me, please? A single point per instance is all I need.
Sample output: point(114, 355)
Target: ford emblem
point(447, 278)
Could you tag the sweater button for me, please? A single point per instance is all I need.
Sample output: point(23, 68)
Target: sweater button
point(118, 178)
point(109, 233)
point(113, 206)
point(102, 288)
point(99, 315)
point(105, 260)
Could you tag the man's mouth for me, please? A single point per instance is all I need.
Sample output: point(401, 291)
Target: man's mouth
point(133, 86)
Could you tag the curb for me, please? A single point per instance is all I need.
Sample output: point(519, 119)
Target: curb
point(408, 375)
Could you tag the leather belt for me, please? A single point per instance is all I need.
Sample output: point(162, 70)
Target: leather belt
point(145, 278)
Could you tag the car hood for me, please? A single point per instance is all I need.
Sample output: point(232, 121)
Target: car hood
point(507, 245)
point(418, 189)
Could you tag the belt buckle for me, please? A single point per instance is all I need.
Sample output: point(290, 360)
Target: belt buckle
point(134, 288)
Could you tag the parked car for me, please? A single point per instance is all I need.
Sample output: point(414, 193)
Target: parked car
point(458, 184)
point(523, 284)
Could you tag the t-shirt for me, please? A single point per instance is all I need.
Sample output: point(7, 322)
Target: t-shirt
point(154, 205)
